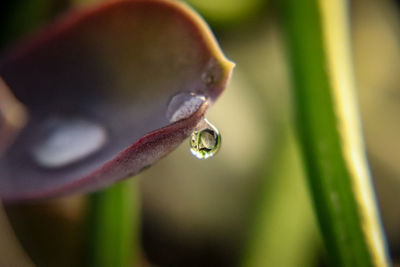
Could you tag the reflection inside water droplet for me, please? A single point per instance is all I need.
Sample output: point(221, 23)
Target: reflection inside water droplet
point(205, 140)
point(68, 141)
point(183, 105)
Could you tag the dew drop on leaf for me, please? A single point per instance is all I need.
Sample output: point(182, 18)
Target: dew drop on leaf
point(205, 140)
point(182, 105)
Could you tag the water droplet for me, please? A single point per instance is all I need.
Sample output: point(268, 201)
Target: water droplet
point(205, 140)
point(183, 105)
point(67, 141)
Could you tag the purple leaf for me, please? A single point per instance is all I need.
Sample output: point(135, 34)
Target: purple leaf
point(85, 103)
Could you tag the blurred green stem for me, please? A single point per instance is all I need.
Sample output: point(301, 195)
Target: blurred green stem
point(114, 223)
point(274, 240)
point(329, 131)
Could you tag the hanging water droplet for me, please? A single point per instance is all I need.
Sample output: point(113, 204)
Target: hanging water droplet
point(183, 105)
point(205, 140)
point(66, 141)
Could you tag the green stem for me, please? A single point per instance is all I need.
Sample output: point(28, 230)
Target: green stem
point(329, 132)
point(114, 225)
point(274, 240)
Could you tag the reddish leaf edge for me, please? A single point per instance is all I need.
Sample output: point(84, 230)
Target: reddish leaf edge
point(139, 156)
point(75, 16)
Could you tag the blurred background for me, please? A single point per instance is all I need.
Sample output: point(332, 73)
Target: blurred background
point(249, 205)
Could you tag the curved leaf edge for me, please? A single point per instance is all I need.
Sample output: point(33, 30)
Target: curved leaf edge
point(139, 156)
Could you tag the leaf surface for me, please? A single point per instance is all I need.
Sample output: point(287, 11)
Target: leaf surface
point(93, 90)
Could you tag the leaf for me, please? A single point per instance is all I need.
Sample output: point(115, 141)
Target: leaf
point(96, 87)
point(330, 132)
